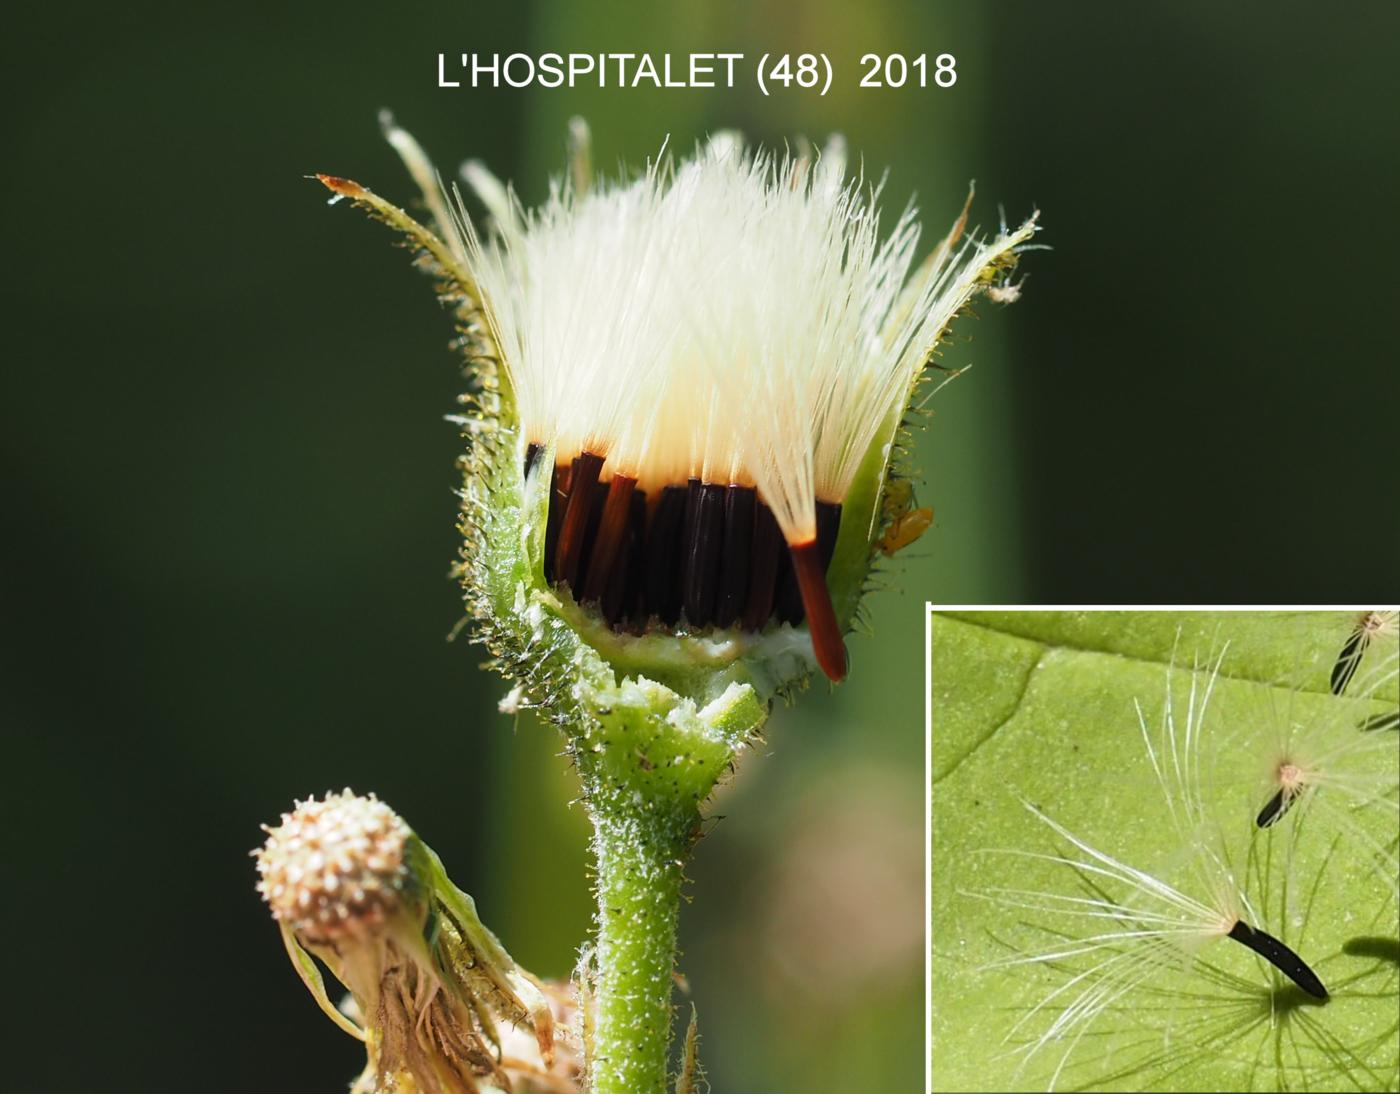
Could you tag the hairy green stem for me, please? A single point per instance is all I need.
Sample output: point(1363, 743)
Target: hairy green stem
point(639, 859)
point(647, 758)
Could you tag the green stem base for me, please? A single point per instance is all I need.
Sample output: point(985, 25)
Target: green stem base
point(647, 759)
point(640, 863)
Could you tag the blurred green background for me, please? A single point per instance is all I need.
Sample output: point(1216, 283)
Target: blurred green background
point(229, 508)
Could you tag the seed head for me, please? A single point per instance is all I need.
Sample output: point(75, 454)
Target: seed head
point(687, 389)
point(336, 869)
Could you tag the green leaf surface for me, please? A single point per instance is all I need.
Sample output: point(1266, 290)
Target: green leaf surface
point(1040, 706)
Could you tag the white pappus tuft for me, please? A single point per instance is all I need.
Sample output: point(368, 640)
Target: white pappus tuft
point(1117, 926)
point(735, 317)
point(1337, 755)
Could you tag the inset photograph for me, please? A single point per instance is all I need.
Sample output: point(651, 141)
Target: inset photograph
point(1164, 850)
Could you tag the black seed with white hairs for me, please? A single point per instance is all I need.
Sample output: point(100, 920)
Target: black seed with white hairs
point(1280, 956)
point(704, 554)
point(700, 555)
point(661, 587)
point(612, 529)
point(769, 552)
point(583, 484)
point(736, 554)
point(1349, 658)
point(1275, 809)
point(1389, 720)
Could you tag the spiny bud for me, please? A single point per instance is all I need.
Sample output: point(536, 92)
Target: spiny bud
point(337, 869)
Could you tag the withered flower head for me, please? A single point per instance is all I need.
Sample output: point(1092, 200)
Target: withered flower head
point(433, 994)
point(335, 870)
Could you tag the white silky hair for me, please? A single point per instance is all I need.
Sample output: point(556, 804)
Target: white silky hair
point(1116, 929)
point(1337, 766)
point(572, 293)
point(1130, 924)
point(735, 317)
